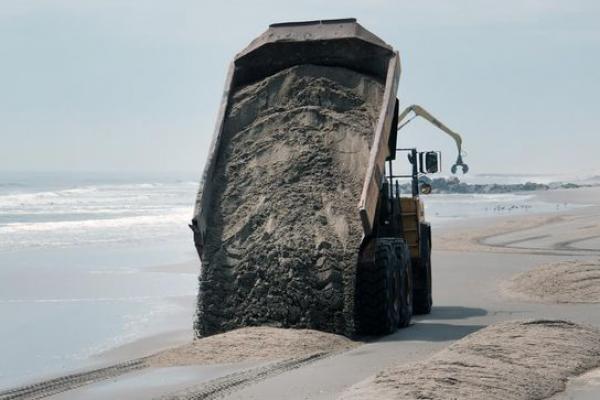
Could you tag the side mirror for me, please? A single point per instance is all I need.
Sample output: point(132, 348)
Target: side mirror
point(430, 162)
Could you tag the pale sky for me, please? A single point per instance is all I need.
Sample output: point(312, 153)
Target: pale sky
point(134, 85)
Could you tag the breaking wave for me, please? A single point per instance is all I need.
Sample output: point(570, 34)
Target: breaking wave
point(107, 213)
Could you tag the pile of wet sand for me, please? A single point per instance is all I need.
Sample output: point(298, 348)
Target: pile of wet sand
point(283, 229)
point(517, 360)
point(252, 344)
point(574, 281)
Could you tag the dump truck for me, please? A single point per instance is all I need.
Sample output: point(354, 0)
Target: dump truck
point(299, 220)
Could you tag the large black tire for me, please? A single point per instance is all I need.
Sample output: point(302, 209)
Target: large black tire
point(422, 298)
point(379, 287)
point(406, 279)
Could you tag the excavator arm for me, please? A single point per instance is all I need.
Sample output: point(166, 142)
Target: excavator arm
point(421, 112)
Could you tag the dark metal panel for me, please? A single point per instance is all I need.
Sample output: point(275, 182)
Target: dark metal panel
point(340, 43)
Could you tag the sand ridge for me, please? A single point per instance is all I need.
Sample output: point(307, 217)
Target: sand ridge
point(252, 344)
point(515, 360)
point(572, 281)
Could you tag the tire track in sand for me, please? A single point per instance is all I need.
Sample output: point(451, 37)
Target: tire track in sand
point(72, 381)
point(212, 389)
point(219, 387)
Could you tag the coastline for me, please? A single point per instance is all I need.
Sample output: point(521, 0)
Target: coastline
point(454, 313)
point(150, 344)
point(165, 318)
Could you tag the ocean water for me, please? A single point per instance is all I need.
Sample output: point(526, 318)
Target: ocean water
point(77, 258)
point(75, 211)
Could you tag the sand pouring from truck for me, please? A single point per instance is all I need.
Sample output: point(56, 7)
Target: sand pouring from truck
point(298, 222)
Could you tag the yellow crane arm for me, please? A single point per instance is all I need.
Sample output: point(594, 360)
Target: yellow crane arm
point(421, 112)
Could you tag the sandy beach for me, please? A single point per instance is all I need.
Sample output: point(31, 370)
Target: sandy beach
point(469, 294)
